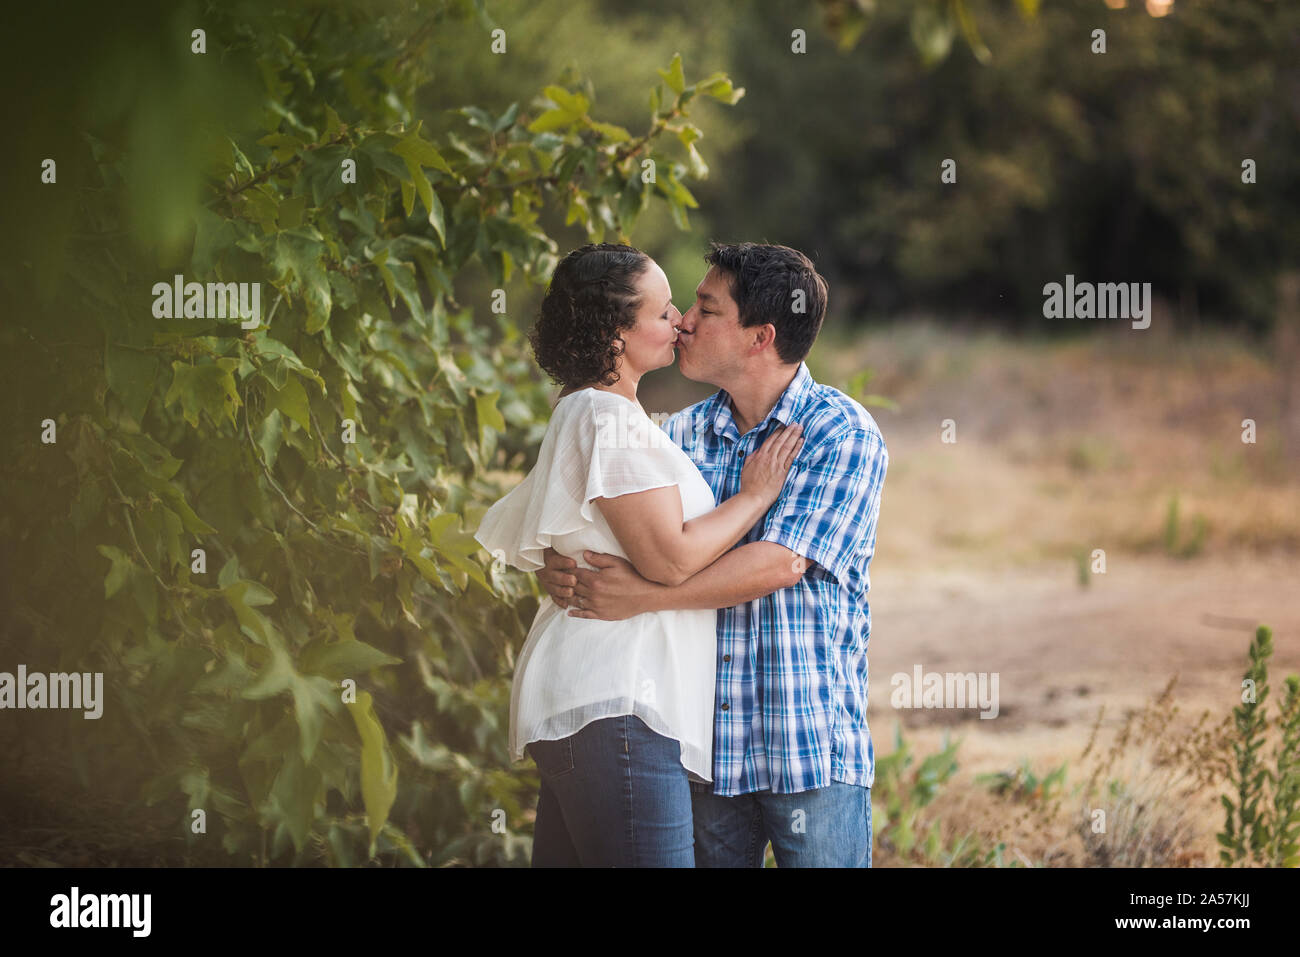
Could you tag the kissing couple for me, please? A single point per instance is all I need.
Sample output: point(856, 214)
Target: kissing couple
point(694, 685)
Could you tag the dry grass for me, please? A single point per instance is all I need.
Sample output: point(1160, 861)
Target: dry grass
point(1078, 441)
point(1156, 786)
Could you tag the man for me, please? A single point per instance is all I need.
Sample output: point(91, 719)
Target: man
point(793, 759)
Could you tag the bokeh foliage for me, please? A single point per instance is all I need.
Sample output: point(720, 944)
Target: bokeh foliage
point(1117, 166)
point(332, 463)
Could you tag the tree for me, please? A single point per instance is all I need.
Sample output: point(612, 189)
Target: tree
point(258, 519)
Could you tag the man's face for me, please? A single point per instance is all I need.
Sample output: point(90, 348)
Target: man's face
point(712, 345)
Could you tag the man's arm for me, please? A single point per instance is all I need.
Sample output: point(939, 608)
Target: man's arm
point(615, 591)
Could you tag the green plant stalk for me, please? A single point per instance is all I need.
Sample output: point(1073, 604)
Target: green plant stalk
point(1285, 849)
point(1245, 829)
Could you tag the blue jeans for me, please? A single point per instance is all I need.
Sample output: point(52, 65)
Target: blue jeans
point(614, 794)
point(824, 827)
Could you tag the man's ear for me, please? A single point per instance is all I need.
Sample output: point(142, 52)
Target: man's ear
point(764, 336)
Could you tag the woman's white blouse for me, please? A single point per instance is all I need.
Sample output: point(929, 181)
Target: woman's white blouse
point(658, 665)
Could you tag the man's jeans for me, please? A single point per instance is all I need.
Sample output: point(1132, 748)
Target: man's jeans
point(825, 827)
point(614, 794)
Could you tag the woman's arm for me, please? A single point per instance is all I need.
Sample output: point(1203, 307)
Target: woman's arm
point(667, 550)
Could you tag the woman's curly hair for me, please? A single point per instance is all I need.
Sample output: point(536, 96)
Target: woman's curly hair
point(592, 298)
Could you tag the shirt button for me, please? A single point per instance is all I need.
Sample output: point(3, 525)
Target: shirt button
point(726, 657)
point(725, 706)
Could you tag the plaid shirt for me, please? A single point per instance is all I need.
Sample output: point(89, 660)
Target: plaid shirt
point(791, 704)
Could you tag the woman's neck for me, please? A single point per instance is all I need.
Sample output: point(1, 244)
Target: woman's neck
point(625, 387)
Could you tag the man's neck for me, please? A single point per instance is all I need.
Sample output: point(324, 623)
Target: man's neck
point(756, 395)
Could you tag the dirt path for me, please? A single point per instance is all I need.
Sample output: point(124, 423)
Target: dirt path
point(1062, 651)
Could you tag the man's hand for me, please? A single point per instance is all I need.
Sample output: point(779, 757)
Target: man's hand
point(614, 591)
point(557, 577)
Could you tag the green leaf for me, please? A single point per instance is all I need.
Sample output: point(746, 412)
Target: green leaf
point(380, 262)
point(290, 212)
point(313, 696)
point(276, 676)
point(378, 767)
point(553, 120)
point(208, 388)
point(574, 103)
point(291, 802)
point(719, 87)
point(674, 77)
point(477, 116)
point(507, 118)
point(292, 401)
point(132, 374)
point(283, 146)
point(241, 161)
point(118, 573)
point(346, 659)
point(421, 186)
point(332, 122)
point(489, 417)
point(614, 134)
point(698, 168)
point(297, 255)
point(547, 142)
point(416, 150)
point(437, 218)
point(932, 32)
point(244, 597)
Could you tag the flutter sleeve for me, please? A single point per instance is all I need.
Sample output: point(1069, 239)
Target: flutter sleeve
point(596, 446)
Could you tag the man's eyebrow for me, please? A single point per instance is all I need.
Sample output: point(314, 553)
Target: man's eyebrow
point(705, 295)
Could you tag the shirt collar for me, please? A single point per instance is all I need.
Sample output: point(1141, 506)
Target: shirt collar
point(785, 411)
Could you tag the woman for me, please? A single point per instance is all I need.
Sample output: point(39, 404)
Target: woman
point(618, 715)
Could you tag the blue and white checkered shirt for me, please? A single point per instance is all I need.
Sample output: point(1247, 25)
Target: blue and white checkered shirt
point(790, 712)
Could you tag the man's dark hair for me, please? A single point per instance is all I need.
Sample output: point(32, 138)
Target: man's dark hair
point(772, 284)
point(593, 297)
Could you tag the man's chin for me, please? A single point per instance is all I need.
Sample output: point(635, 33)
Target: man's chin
point(688, 373)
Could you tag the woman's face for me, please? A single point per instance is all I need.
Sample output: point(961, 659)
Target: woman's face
point(649, 343)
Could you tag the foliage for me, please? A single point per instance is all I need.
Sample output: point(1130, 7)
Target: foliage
point(933, 25)
point(1116, 166)
point(899, 796)
point(259, 522)
point(1176, 545)
point(1022, 784)
point(1269, 832)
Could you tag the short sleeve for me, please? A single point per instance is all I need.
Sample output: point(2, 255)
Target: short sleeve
point(596, 446)
point(628, 453)
point(828, 510)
